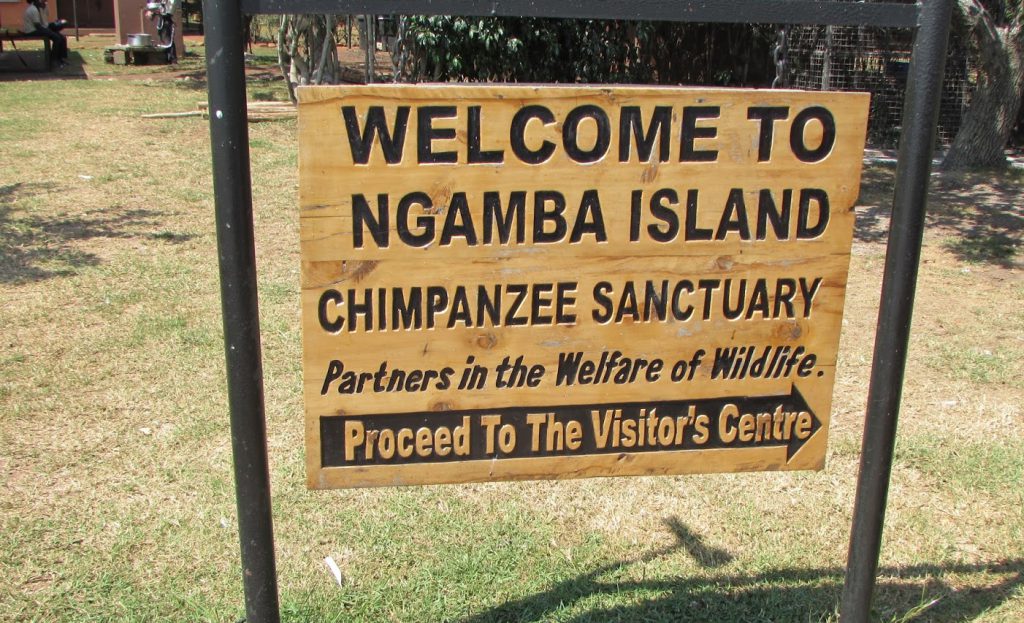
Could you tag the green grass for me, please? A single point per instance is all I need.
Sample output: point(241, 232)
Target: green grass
point(979, 365)
point(115, 457)
point(990, 466)
point(995, 248)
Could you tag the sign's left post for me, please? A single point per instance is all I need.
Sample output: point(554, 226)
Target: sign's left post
point(232, 187)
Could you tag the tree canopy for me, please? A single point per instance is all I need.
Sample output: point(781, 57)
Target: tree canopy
point(516, 49)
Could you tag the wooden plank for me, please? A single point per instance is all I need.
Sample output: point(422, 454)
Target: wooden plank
point(499, 254)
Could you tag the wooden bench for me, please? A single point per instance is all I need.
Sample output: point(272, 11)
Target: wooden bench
point(11, 36)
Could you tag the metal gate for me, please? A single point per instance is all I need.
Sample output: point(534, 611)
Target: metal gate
point(232, 183)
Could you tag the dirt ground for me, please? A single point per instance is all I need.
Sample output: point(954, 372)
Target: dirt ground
point(86, 63)
point(118, 498)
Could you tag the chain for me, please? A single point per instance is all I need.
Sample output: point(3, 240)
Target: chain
point(780, 54)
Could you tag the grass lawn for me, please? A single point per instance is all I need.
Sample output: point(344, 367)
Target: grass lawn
point(117, 499)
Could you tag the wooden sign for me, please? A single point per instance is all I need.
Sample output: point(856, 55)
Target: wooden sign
point(560, 282)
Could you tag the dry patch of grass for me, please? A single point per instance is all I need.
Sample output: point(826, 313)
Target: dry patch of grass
point(115, 457)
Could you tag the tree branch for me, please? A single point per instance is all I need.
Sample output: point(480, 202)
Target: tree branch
point(980, 20)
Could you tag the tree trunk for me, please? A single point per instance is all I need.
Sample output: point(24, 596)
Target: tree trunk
point(400, 51)
point(995, 102)
point(307, 51)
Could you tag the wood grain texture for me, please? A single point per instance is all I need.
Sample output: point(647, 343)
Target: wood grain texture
point(660, 249)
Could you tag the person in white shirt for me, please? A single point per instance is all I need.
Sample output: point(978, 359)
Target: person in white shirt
point(35, 24)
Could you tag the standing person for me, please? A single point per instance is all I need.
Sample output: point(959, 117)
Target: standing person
point(163, 13)
point(35, 24)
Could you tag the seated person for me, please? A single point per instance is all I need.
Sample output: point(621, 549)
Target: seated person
point(36, 24)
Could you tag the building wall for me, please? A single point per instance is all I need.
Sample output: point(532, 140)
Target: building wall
point(11, 13)
point(91, 13)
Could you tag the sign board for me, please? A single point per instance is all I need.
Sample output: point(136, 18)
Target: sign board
point(511, 282)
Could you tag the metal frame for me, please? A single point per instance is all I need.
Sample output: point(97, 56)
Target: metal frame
point(229, 135)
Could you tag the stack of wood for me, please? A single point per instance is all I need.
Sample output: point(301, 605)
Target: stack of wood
point(258, 111)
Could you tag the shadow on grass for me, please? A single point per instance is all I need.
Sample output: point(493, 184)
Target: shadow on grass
point(35, 248)
point(30, 64)
point(979, 213)
point(778, 595)
point(196, 80)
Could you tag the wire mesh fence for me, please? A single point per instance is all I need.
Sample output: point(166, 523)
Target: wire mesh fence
point(851, 58)
point(841, 58)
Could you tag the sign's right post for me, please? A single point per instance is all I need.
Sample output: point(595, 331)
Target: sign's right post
point(920, 114)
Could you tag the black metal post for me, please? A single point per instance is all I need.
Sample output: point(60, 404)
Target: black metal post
point(232, 187)
point(920, 113)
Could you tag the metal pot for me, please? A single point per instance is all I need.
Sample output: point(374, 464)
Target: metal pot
point(140, 40)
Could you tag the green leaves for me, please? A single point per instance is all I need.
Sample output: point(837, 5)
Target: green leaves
point(518, 49)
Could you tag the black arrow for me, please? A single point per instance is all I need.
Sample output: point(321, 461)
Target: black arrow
point(795, 444)
point(783, 414)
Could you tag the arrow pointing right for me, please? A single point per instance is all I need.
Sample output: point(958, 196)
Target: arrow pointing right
point(800, 404)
